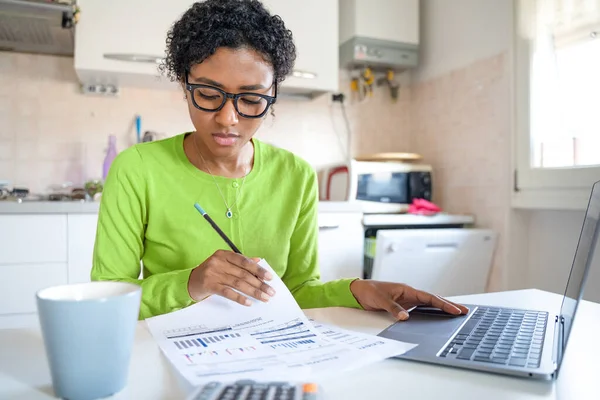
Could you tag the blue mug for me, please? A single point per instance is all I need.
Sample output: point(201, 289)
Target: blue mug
point(88, 331)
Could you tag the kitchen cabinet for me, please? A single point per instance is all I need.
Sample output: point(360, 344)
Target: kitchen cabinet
point(389, 20)
point(120, 42)
point(81, 238)
point(341, 245)
point(33, 239)
point(314, 25)
point(20, 283)
point(39, 251)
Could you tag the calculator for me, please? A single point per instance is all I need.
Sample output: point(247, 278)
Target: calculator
point(253, 390)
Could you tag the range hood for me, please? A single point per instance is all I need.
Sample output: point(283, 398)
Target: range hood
point(36, 26)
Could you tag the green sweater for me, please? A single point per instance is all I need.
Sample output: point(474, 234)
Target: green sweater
point(147, 213)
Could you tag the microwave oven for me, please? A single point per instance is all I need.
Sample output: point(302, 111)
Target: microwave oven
point(380, 187)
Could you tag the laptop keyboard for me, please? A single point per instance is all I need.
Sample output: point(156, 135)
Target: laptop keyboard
point(500, 336)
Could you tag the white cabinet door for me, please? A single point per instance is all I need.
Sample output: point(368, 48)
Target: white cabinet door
point(138, 28)
point(341, 245)
point(82, 235)
point(33, 238)
point(20, 282)
point(314, 26)
point(123, 28)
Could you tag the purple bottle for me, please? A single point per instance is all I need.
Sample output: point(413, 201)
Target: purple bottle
point(111, 153)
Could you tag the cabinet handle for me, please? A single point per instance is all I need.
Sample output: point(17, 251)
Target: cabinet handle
point(328, 227)
point(140, 58)
point(304, 74)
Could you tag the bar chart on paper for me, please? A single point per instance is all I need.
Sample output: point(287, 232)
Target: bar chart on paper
point(292, 335)
point(307, 344)
point(205, 341)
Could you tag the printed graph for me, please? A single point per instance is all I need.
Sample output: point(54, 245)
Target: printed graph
point(240, 350)
point(204, 341)
point(187, 332)
point(210, 355)
point(292, 334)
point(279, 339)
point(306, 344)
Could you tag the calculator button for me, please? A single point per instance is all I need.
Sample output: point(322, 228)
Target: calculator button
point(309, 388)
point(245, 382)
point(207, 391)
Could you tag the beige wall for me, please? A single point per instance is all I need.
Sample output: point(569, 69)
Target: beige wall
point(457, 33)
point(50, 133)
point(461, 115)
point(461, 125)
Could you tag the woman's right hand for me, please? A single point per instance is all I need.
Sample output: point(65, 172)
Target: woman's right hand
point(224, 271)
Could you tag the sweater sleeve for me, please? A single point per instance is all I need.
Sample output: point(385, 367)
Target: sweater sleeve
point(302, 275)
point(119, 244)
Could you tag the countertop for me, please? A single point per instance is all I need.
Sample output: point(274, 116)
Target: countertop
point(91, 207)
point(374, 220)
point(49, 207)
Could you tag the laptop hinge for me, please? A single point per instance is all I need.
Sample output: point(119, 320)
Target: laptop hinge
point(557, 349)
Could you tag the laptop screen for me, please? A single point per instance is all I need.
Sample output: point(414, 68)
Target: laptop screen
point(588, 241)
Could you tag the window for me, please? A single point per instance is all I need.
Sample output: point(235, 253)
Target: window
point(557, 73)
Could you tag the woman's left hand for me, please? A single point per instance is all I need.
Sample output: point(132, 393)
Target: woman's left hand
point(396, 298)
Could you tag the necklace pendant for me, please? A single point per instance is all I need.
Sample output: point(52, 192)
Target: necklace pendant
point(229, 214)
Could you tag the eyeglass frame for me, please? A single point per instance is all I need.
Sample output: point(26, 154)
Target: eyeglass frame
point(233, 96)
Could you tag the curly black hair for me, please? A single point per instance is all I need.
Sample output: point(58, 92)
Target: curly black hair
point(211, 24)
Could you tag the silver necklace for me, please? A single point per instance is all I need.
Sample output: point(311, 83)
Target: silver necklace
point(229, 213)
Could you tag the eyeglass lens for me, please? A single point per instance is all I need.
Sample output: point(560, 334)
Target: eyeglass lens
point(247, 104)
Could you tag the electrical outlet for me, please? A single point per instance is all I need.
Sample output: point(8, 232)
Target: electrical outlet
point(100, 90)
point(337, 98)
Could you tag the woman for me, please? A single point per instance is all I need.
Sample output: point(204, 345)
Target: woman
point(229, 57)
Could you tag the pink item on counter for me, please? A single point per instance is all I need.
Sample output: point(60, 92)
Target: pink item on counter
point(423, 207)
point(111, 153)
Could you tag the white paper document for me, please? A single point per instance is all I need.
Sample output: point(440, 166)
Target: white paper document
point(220, 340)
point(370, 344)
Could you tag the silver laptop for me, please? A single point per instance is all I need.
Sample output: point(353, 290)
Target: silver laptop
point(527, 343)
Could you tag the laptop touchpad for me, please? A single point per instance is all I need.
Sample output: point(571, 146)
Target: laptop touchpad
point(436, 325)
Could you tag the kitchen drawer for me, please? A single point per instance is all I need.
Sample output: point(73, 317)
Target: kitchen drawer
point(20, 283)
point(82, 234)
point(33, 238)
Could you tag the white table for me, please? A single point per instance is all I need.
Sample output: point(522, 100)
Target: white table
point(24, 373)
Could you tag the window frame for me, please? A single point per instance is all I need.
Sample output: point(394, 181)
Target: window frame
point(563, 188)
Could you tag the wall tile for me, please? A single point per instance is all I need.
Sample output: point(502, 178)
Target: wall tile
point(61, 134)
point(7, 149)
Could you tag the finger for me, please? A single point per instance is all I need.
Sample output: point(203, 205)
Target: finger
point(244, 287)
point(250, 279)
point(437, 302)
point(394, 308)
point(463, 309)
point(232, 295)
point(249, 265)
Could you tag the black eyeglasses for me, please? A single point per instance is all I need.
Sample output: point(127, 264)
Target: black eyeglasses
point(212, 99)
